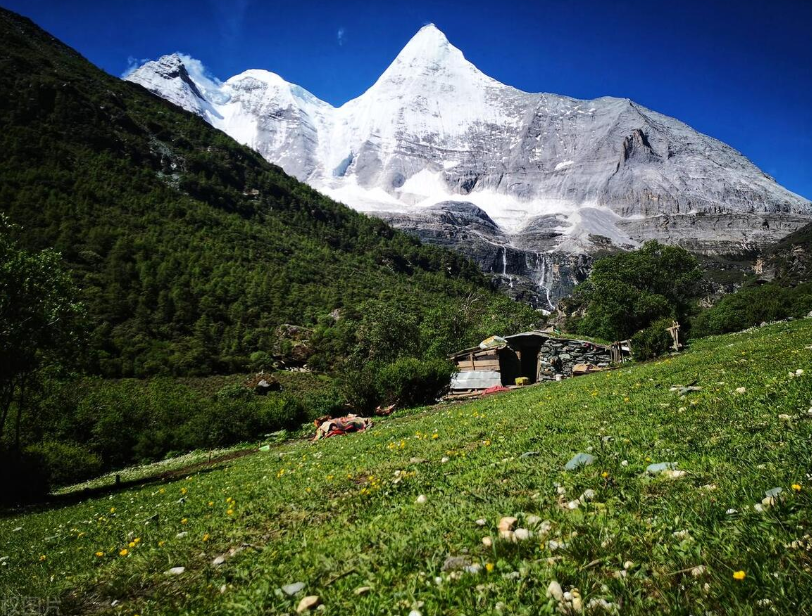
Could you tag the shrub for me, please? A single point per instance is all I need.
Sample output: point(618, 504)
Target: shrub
point(752, 305)
point(359, 386)
point(412, 382)
point(65, 463)
point(235, 393)
point(652, 341)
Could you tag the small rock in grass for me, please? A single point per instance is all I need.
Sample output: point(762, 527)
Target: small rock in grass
point(624, 463)
point(421, 500)
point(416, 460)
point(445, 459)
point(799, 372)
point(507, 523)
point(415, 613)
point(578, 460)
point(741, 390)
point(575, 598)
point(181, 535)
point(292, 589)
point(587, 496)
point(473, 569)
point(481, 522)
point(487, 542)
point(218, 561)
point(455, 563)
point(758, 507)
point(175, 571)
point(522, 534)
point(507, 535)
point(659, 467)
point(555, 591)
point(698, 571)
point(308, 603)
point(600, 604)
point(785, 417)
point(362, 590)
point(528, 454)
point(731, 512)
point(574, 504)
point(673, 474)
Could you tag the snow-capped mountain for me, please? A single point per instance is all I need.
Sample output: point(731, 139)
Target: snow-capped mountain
point(556, 177)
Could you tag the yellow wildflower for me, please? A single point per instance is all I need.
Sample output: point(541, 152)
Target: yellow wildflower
point(132, 544)
point(184, 521)
point(206, 537)
point(112, 509)
point(739, 575)
point(230, 512)
point(137, 540)
point(124, 552)
point(99, 554)
point(183, 490)
point(161, 544)
point(488, 567)
point(604, 474)
point(43, 557)
point(796, 487)
point(211, 503)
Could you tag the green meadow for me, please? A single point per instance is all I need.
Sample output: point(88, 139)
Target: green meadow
point(392, 521)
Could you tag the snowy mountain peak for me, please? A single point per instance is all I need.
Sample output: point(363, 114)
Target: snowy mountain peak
point(555, 174)
point(429, 55)
point(168, 77)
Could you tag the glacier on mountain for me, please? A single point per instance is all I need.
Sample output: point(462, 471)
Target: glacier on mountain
point(558, 178)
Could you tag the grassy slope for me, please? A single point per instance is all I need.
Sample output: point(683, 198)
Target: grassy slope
point(332, 516)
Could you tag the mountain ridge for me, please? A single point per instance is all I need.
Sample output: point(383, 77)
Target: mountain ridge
point(560, 176)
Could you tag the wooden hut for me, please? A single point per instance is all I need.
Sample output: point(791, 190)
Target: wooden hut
point(534, 355)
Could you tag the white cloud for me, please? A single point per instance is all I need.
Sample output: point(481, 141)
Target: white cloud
point(341, 35)
point(203, 78)
point(132, 64)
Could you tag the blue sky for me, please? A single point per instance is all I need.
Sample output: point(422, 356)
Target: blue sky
point(740, 71)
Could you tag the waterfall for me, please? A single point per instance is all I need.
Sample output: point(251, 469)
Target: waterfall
point(504, 267)
point(542, 281)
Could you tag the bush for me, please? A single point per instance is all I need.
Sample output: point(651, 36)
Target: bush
point(359, 386)
point(235, 393)
point(412, 382)
point(752, 305)
point(407, 382)
point(652, 341)
point(65, 463)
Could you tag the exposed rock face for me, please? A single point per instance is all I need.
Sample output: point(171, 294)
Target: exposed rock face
point(532, 275)
point(524, 183)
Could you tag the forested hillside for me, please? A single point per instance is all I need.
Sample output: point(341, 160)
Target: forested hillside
point(188, 248)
